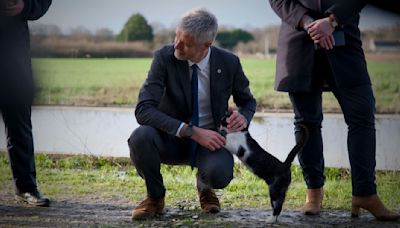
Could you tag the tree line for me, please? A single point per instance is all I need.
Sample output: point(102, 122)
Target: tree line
point(138, 39)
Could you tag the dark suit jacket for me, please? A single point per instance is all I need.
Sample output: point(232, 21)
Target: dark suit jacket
point(295, 53)
point(16, 82)
point(165, 97)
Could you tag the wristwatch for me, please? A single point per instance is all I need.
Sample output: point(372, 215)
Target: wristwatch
point(188, 131)
point(333, 21)
point(307, 23)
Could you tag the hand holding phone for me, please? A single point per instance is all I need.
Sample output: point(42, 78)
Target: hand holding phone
point(338, 36)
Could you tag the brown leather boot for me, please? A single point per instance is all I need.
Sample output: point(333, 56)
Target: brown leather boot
point(313, 201)
point(374, 205)
point(209, 202)
point(148, 208)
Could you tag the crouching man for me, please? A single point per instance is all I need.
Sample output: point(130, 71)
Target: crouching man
point(179, 108)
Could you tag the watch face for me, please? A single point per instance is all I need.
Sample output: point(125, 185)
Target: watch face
point(188, 132)
point(334, 23)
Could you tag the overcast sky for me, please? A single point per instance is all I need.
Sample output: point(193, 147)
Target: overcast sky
point(112, 14)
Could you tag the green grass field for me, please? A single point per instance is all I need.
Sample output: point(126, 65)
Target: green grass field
point(105, 82)
point(83, 176)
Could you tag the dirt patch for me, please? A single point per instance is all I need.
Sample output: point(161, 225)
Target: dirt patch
point(116, 212)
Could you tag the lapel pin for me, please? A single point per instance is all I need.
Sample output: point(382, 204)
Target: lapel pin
point(219, 71)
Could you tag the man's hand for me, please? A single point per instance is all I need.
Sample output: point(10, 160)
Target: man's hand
point(321, 32)
point(326, 42)
point(236, 121)
point(11, 8)
point(207, 138)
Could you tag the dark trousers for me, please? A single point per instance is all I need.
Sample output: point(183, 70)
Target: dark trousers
point(150, 147)
point(17, 121)
point(358, 107)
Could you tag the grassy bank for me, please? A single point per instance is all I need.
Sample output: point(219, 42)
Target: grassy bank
point(104, 178)
point(102, 82)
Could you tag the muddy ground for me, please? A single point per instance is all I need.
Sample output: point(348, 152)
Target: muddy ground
point(116, 212)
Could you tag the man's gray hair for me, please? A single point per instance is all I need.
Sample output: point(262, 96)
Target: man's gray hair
point(200, 23)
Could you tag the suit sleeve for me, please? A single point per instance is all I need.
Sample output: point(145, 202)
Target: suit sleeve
point(242, 95)
point(345, 9)
point(290, 11)
point(34, 9)
point(147, 112)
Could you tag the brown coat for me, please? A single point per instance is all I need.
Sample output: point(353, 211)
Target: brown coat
point(295, 55)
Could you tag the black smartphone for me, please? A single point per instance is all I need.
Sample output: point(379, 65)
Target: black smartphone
point(338, 36)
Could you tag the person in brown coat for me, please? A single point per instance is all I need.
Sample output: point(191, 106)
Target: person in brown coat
point(319, 48)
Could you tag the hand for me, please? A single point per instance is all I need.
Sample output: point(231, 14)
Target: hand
point(11, 8)
point(326, 43)
point(236, 121)
point(321, 32)
point(207, 138)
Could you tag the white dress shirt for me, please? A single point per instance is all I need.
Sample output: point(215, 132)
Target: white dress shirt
point(205, 116)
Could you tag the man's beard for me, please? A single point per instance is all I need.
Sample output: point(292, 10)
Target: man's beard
point(179, 56)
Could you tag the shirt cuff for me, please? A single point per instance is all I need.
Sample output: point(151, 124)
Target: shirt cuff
point(179, 129)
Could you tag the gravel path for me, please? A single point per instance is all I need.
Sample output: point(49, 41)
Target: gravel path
point(117, 212)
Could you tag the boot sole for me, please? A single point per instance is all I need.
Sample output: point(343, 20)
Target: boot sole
point(20, 199)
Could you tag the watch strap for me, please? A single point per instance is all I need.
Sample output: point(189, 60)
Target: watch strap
point(188, 131)
point(333, 21)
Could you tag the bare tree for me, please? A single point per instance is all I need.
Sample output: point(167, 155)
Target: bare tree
point(80, 33)
point(103, 34)
point(46, 30)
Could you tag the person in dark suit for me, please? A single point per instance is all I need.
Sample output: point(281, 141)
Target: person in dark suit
point(319, 48)
point(180, 107)
point(16, 93)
